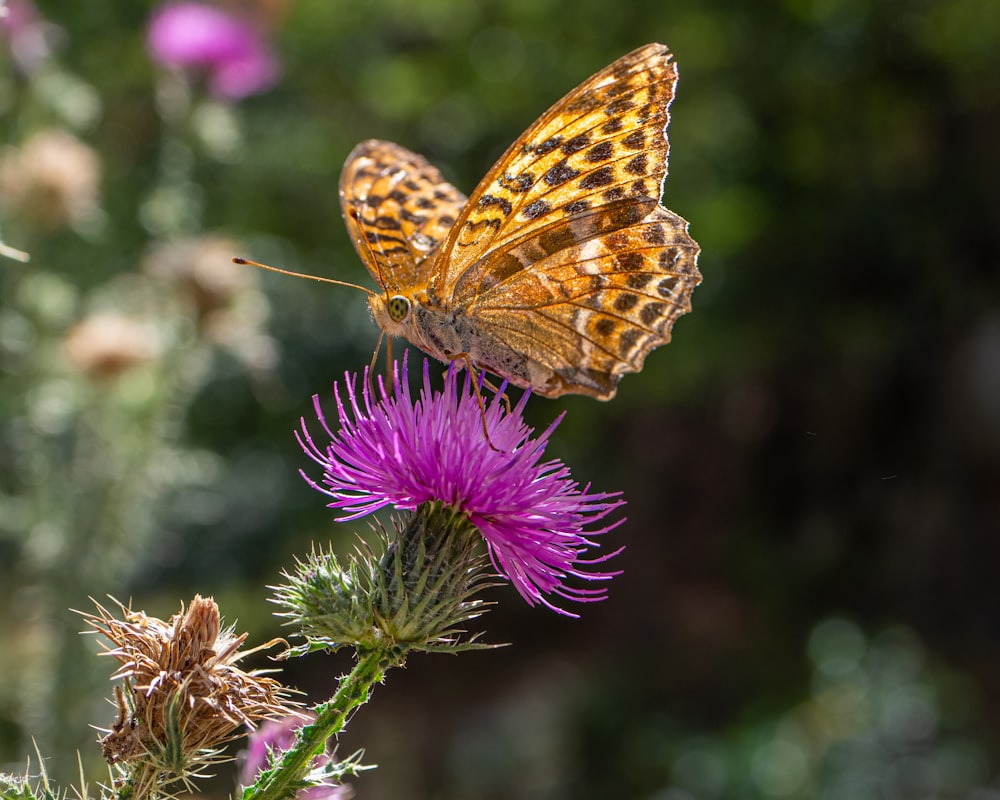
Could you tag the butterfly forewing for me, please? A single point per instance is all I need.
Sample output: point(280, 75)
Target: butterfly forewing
point(402, 206)
point(602, 142)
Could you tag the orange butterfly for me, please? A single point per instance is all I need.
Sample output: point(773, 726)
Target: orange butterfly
point(562, 270)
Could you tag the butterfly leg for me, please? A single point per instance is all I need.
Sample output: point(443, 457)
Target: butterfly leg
point(486, 381)
point(388, 368)
point(474, 374)
point(496, 393)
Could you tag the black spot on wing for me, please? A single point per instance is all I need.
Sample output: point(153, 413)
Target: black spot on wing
point(386, 223)
point(630, 261)
point(635, 140)
point(625, 301)
point(653, 234)
point(558, 238)
point(518, 184)
point(619, 106)
point(638, 280)
point(627, 341)
point(666, 286)
point(651, 313)
point(604, 327)
point(414, 219)
point(547, 146)
point(577, 143)
point(637, 165)
point(507, 266)
point(613, 125)
point(601, 151)
point(599, 177)
point(488, 200)
point(560, 173)
point(535, 210)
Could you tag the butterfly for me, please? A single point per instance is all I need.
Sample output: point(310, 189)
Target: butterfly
point(562, 270)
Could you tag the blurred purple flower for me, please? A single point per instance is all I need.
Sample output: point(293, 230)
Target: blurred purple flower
point(400, 452)
point(237, 60)
point(277, 736)
point(26, 34)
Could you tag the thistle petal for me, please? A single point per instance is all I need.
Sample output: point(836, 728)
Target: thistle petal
point(395, 450)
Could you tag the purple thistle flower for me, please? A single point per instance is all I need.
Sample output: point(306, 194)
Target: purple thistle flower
point(26, 34)
point(229, 49)
point(400, 452)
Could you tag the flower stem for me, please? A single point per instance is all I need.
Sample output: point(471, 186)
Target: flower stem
point(287, 777)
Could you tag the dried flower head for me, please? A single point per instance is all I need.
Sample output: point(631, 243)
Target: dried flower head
point(203, 266)
point(53, 178)
point(184, 695)
point(404, 453)
point(106, 344)
point(227, 305)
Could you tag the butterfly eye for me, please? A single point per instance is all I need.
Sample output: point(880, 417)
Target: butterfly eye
point(398, 307)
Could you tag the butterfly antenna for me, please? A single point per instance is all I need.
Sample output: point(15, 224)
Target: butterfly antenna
point(353, 214)
point(238, 260)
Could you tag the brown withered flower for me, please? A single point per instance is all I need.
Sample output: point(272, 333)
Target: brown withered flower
point(203, 266)
point(106, 344)
point(226, 303)
point(182, 694)
point(53, 178)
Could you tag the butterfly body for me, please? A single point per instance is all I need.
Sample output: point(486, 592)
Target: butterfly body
point(561, 271)
point(448, 334)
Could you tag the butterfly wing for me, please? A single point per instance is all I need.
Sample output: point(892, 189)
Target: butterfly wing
point(398, 209)
point(602, 142)
point(586, 314)
point(563, 252)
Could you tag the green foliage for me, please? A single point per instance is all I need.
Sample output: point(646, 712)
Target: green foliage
point(28, 786)
point(879, 719)
point(14, 788)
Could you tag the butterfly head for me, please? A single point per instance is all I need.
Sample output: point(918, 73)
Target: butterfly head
point(392, 314)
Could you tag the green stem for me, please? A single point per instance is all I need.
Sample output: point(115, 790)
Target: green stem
point(287, 776)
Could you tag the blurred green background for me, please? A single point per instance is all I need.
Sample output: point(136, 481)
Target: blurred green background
point(808, 602)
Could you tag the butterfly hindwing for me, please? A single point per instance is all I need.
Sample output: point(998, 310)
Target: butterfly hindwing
point(590, 312)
